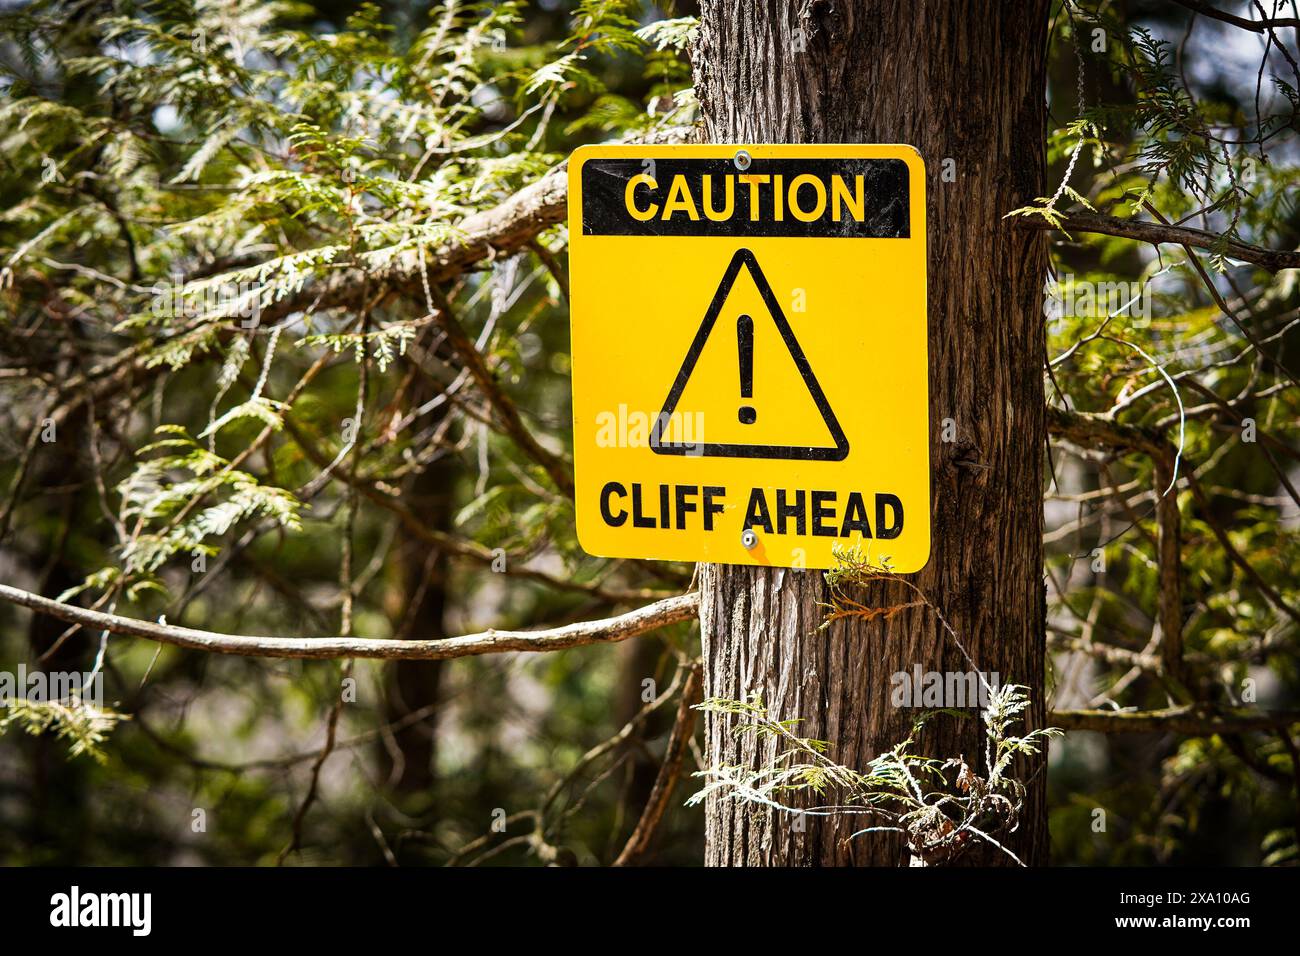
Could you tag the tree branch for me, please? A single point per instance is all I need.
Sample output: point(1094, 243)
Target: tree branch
point(1102, 431)
point(1093, 430)
point(1169, 562)
point(462, 547)
point(1179, 720)
point(606, 631)
point(1273, 260)
point(506, 412)
point(501, 230)
point(1237, 558)
point(1110, 654)
point(1254, 26)
point(670, 771)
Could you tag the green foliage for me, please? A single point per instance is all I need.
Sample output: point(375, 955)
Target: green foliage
point(82, 726)
point(1166, 144)
point(941, 805)
point(164, 492)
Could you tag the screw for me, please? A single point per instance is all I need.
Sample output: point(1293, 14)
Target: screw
point(749, 539)
point(742, 159)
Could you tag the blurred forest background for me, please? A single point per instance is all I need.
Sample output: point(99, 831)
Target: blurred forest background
point(226, 401)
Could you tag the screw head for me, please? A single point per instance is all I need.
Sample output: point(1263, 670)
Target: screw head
point(742, 159)
point(749, 539)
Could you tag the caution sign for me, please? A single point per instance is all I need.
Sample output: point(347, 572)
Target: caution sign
point(749, 353)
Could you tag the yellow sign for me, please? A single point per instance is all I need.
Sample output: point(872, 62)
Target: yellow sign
point(749, 353)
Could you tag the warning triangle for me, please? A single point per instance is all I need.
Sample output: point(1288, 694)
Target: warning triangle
point(836, 452)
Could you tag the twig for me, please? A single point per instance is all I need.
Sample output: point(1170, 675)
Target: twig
point(1254, 26)
point(670, 771)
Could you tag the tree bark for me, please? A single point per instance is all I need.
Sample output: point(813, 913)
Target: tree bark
point(963, 82)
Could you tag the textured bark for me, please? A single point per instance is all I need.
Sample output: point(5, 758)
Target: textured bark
point(959, 81)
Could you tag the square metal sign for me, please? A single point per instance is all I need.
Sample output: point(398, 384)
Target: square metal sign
point(750, 381)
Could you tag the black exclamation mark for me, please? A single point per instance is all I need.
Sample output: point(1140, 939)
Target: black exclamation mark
point(745, 343)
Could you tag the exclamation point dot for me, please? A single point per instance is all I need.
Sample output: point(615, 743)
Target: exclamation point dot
point(748, 415)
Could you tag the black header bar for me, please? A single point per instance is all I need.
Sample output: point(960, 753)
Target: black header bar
point(813, 198)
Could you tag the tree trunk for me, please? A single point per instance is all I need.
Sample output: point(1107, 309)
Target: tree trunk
point(964, 83)
point(417, 603)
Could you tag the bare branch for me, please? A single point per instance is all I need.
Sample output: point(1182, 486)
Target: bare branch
point(1109, 653)
point(1095, 430)
point(506, 412)
point(1179, 720)
point(1102, 431)
point(605, 631)
point(638, 844)
point(1169, 561)
point(1273, 260)
point(1254, 26)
